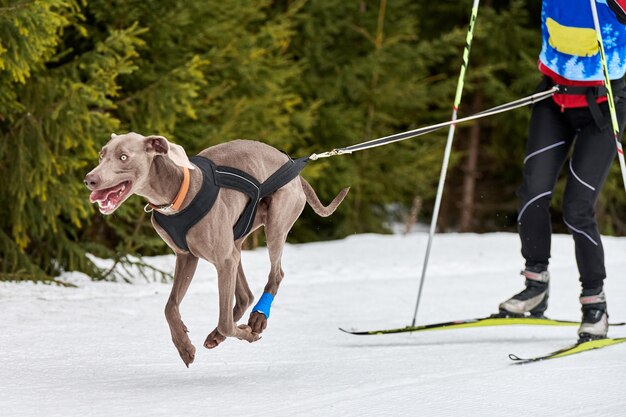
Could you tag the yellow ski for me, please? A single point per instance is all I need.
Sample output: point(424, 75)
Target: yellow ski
point(468, 323)
point(571, 350)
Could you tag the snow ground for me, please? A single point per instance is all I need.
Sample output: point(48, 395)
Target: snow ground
point(103, 349)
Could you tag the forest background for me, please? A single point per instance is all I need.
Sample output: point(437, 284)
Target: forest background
point(303, 76)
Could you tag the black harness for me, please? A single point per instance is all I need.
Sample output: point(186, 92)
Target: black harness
point(215, 177)
point(591, 93)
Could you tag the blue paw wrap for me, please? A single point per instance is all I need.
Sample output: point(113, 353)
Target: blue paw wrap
point(264, 304)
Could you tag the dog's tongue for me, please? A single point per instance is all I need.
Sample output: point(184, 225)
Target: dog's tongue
point(109, 198)
point(98, 195)
point(111, 193)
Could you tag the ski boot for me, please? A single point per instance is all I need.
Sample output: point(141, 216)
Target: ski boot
point(595, 321)
point(533, 299)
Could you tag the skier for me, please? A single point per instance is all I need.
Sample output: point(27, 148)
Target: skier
point(576, 121)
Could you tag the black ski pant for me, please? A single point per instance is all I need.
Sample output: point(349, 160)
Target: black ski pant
point(555, 134)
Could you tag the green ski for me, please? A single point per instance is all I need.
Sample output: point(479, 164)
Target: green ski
point(480, 322)
point(571, 350)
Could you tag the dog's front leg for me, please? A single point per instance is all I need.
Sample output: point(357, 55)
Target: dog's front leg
point(185, 269)
point(227, 270)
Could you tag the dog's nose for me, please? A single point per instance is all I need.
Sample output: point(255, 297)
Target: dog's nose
point(91, 181)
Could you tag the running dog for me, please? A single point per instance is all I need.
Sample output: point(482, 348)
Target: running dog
point(179, 190)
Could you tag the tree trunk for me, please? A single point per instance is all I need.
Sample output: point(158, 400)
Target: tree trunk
point(469, 180)
point(362, 159)
point(411, 219)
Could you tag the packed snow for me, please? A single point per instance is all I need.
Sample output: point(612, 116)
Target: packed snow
point(104, 349)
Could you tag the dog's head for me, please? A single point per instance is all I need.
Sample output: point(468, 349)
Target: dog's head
point(124, 168)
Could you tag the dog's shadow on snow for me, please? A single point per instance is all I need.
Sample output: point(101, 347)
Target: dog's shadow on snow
point(157, 377)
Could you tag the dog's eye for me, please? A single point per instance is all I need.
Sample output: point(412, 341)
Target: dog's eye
point(100, 156)
point(123, 157)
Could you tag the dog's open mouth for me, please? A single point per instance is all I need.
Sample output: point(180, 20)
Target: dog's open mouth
point(109, 199)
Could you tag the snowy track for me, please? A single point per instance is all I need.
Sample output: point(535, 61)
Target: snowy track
point(103, 349)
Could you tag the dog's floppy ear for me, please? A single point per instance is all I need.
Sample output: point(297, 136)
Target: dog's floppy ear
point(176, 153)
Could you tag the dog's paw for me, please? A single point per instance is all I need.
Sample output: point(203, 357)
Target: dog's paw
point(248, 333)
point(187, 353)
point(213, 339)
point(257, 322)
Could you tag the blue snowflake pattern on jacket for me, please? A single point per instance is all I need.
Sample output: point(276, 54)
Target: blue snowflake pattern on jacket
point(570, 46)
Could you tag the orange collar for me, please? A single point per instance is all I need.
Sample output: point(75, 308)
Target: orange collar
point(178, 200)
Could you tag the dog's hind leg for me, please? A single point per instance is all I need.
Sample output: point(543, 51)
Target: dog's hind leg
point(185, 268)
point(227, 268)
point(243, 295)
point(284, 209)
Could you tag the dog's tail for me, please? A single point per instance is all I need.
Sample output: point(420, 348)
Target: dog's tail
point(315, 203)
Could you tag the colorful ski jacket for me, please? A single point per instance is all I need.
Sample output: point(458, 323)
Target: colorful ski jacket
point(570, 47)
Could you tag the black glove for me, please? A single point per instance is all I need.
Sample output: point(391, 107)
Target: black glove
point(619, 8)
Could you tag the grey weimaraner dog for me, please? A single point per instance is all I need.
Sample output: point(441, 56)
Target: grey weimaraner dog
point(154, 168)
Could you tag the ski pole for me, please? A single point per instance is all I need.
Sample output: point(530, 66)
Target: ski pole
point(609, 92)
point(447, 152)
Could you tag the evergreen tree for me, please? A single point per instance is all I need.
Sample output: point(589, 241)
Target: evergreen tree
point(503, 68)
point(300, 75)
point(73, 72)
point(52, 112)
point(366, 67)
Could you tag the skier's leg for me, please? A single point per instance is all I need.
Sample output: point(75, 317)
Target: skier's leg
point(549, 139)
point(594, 152)
point(588, 168)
